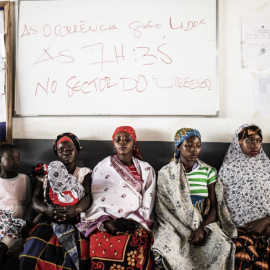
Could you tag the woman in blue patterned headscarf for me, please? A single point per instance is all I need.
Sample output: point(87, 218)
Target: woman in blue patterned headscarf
point(186, 211)
point(183, 134)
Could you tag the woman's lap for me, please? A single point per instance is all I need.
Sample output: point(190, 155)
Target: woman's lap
point(43, 250)
point(121, 251)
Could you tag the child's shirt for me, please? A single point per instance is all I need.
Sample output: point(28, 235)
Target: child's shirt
point(15, 195)
point(15, 208)
point(199, 179)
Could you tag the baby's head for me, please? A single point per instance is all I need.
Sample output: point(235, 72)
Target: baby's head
point(9, 157)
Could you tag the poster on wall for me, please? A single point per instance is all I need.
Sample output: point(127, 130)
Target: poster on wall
point(256, 42)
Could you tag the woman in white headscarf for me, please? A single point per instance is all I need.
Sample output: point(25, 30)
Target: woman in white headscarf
point(245, 174)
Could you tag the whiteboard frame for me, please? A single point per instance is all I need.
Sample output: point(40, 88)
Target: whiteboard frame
point(216, 114)
point(8, 70)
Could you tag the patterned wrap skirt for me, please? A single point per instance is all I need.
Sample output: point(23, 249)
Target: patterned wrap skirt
point(252, 251)
point(121, 252)
point(43, 250)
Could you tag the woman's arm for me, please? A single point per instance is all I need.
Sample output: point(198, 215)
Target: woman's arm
point(52, 212)
point(37, 202)
point(260, 226)
point(212, 214)
point(73, 211)
point(198, 236)
point(29, 211)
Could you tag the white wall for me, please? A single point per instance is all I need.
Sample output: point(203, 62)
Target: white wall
point(236, 96)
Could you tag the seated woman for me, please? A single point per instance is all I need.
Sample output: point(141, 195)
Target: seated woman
point(245, 174)
point(118, 221)
point(60, 198)
point(188, 204)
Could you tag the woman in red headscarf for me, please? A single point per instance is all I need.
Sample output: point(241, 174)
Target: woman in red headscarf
point(118, 222)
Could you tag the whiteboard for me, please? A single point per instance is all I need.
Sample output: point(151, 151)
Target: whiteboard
point(117, 57)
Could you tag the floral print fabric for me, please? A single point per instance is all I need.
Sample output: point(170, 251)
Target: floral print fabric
point(10, 226)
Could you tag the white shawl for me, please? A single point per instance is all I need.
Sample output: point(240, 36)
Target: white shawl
point(116, 193)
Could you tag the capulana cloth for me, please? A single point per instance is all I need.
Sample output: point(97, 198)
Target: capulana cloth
point(131, 131)
point(181, 135)
point(66, 137)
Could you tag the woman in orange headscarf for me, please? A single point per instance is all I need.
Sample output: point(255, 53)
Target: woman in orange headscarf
point(118, 222)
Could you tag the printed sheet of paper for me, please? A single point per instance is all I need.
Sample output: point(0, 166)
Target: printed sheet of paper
point(256, 42)
point(262, 93)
